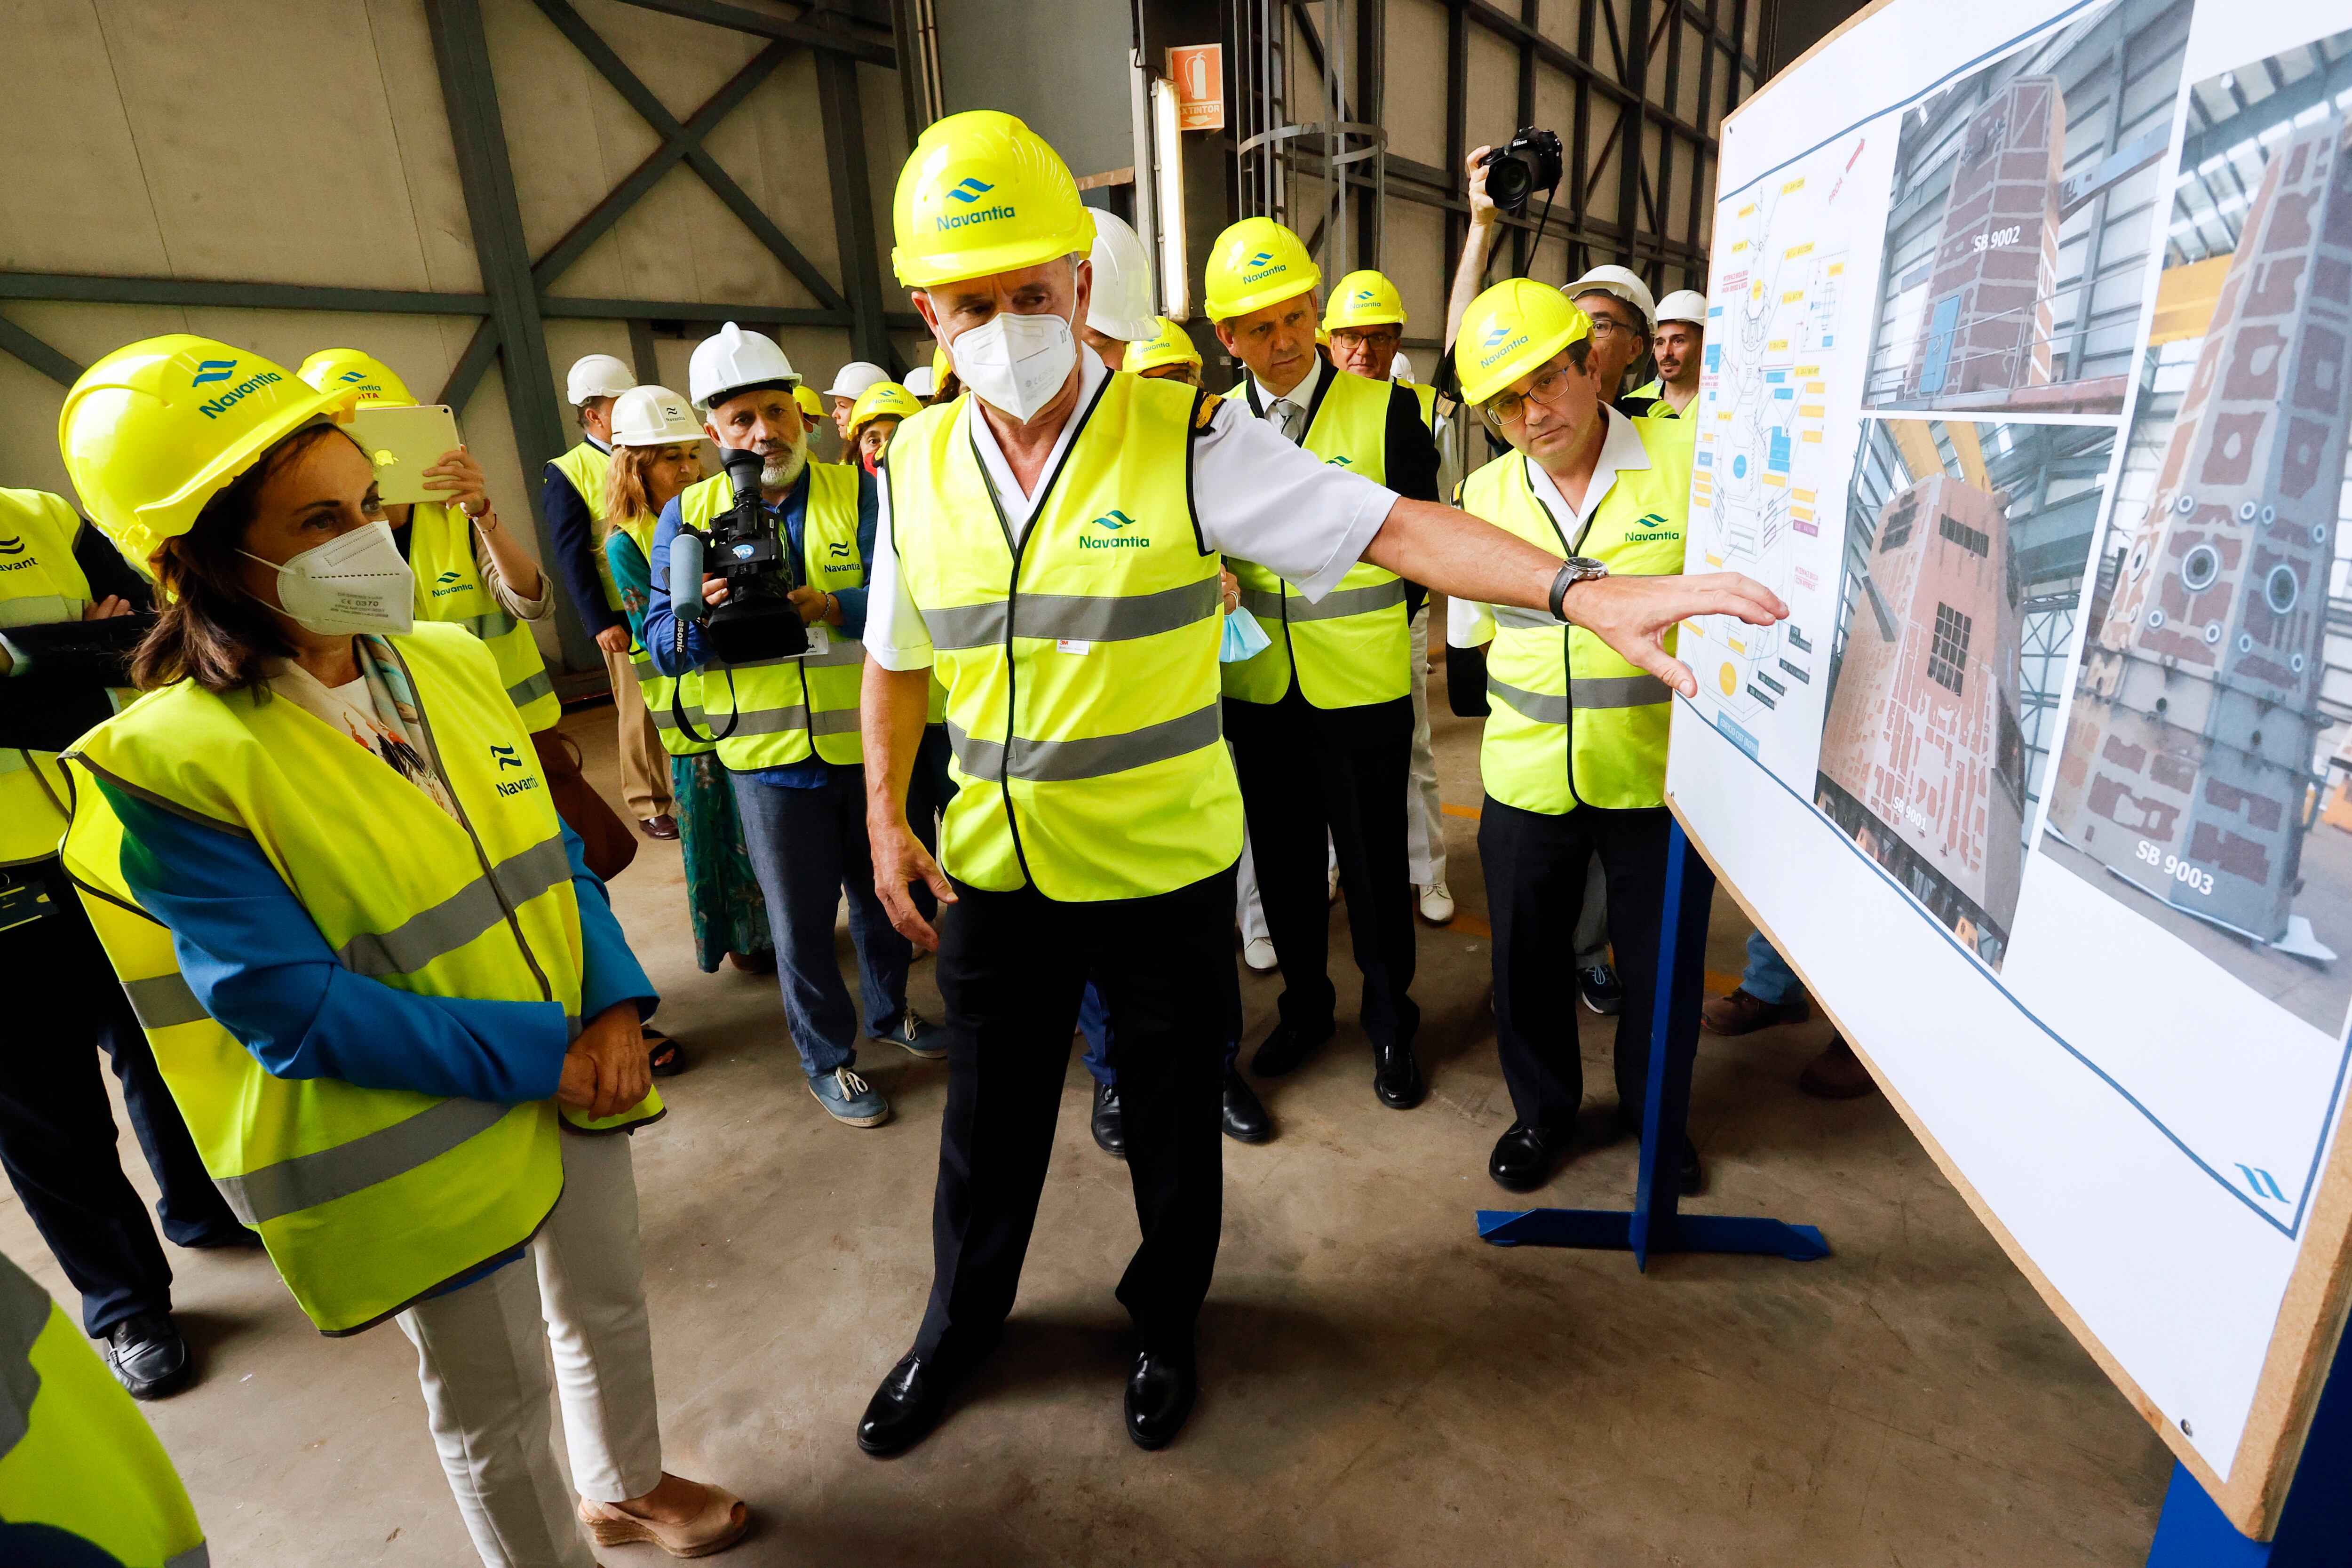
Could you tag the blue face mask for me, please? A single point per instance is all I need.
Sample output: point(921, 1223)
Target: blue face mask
point(1243, 638)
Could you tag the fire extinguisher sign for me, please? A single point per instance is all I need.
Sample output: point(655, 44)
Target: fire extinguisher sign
point(1198, 73)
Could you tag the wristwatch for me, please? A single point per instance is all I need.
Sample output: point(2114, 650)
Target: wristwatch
point(1574, 570)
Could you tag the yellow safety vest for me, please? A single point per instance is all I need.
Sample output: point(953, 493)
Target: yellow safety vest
point(807, 704)
point(1081, 664)
point(449, 588)
point(660, 689)
point(1353, 646)
point(368, 1199)
point(41, 584)
point(585, 466)
point(1571, 722)
point(75, 1453)
point(1427, 397)
point(1655, 390)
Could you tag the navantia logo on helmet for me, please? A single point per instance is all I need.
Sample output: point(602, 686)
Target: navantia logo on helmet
point(1499, 341)
point(213, 370)
point(1260, 259)
point(968, 191)
point(1116, 520)
point(221, 370)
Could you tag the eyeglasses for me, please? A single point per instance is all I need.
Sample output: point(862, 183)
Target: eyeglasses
point(1602, 326)
point(1509, 408)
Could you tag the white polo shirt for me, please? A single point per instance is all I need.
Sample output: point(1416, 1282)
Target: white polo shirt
point(1257, 497)
point(1472, 625)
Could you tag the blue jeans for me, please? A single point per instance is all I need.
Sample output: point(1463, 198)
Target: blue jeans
point(1768, 977)
point(1094, 1023)
point(808, 848)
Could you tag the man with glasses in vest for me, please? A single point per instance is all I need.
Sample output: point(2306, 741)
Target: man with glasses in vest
point(1049, 546)
point(1321, 719)
point(792, 753)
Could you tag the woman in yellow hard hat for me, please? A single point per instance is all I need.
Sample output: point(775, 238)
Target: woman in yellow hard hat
point(875, 418)
point(414, 1006)
point(1168, 355)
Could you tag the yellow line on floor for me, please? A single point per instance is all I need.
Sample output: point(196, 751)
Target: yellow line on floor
point(1469, 811)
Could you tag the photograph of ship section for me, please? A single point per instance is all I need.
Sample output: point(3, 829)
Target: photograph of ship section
point(2028, 197)
point(1967, 545)
point(2208, 748)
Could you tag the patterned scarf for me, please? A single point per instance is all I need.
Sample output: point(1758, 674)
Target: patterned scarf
point(377, 712)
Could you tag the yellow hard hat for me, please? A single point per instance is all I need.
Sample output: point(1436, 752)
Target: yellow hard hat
point(152, 431)
point(1168, 345)
point(983, 193)
point(1513, 329)
point(811, 403)
point(883, 400)
point(1253, 264)
point(363, 374)
point(1363, 299)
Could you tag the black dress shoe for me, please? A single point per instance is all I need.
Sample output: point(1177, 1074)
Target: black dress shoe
point(1245, 1118)
point(1284, 1048)
point(1110, 1121)
point(148, 1355)
point(905, 1408)
point(1396, 1075)
point(1159, 1393)
point(1522, 1158)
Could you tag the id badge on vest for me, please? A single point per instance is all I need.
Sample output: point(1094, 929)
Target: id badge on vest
point(819, 638)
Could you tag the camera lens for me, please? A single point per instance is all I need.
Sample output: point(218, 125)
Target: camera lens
point(1509, 181)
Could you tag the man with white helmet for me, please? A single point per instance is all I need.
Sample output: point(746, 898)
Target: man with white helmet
point(1050, 548)
point(1120, 313)
point(850, 383)
point(1680, 349)
point(787, 728)
point(573, 495)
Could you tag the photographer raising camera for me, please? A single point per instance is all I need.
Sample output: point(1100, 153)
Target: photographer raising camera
point(780, 612)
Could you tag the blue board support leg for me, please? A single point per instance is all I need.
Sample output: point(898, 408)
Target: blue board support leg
point(2314, 1528)
point(1656, 1222)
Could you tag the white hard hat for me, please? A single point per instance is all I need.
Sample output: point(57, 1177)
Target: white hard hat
point(733, 359)
point(1120, 306)
point(1400, 368)
point(597, 375)
point(653, 416)
point(1684, 305)
point(922, 382)
point(1621, 282)
point(852, 379)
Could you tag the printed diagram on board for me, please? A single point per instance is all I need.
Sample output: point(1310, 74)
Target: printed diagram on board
point(1772, 324)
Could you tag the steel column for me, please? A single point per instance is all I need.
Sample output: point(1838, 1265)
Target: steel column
point(854, 236)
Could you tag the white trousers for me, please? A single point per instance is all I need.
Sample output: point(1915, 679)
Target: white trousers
point(482, 1355)
point(1424, 821)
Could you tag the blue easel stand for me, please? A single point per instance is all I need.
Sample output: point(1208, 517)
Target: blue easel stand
point(2315, 1528)
point(1656, 1222)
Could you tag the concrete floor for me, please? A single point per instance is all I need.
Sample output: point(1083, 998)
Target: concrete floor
point(1381, 1387)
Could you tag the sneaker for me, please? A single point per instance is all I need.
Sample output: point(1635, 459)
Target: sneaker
point(1742, 1013)
point(849, 1099)
point(1258, 953)
point(917, 1035)
point(1437, 903)
point(1600, 989)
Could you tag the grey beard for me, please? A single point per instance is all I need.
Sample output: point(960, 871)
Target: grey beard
point(778, 476)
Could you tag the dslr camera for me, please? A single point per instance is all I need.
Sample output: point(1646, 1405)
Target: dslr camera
point(743, 545)
point(1529, 161)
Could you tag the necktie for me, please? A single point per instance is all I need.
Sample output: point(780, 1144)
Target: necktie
point(1287, 415)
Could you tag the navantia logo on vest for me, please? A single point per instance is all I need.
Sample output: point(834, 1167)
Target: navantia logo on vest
point(1117, 522)
point(1654, 521)
point(449, 583)
point(969, 192)
point(12, 545)
point(506, 757)
point(13, 549)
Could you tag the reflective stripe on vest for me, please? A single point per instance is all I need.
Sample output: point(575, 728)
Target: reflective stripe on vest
point(450, 589)
point(40, 584)
point(1082, 697)
point(1354, 645)
point(1573, 724)
point(76, 1455)
point(794, 708)
point(658, 690)
point(585, 466)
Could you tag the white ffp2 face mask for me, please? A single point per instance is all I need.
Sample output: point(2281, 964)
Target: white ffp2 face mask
point(355, 582)
point(1016, 364)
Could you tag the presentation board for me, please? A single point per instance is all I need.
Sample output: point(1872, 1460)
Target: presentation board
point(2028, 344)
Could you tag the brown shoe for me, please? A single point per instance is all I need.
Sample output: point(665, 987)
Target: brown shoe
point(761, 962)
point(1837, 1074)
point(1741, 1014)
point(662, 826)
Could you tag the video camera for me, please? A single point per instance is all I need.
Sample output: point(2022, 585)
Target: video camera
point(743, 545)
point(1529, 161)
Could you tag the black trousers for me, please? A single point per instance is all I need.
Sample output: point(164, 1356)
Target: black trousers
point(1535, 867)
point(57, 1129)
point(1012, 967)
point(1304, 771)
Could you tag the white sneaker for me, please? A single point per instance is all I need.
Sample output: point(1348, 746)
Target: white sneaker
point(1258, 953)
point(1437, 903)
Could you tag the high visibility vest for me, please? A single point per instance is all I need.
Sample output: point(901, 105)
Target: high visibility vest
point(660, 689)
point(1652, 393)
point(1081, 664)
point(449, 588)
point(75, 1453)
point(807, 704)
point(585, 466)
point(1353, 646)
point(368, 1199)
point(41, 584)
point(1426, 396)
point(1570, 721)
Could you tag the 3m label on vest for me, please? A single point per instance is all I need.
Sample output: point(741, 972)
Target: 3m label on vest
point(1073, 645)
